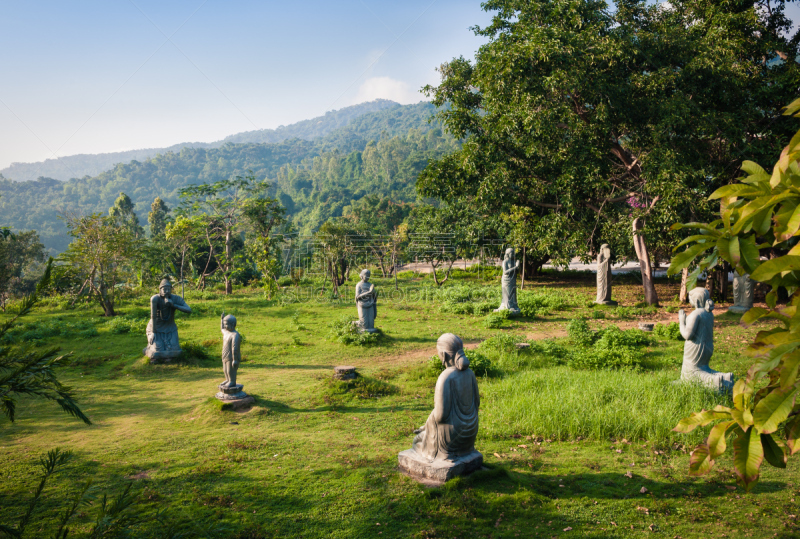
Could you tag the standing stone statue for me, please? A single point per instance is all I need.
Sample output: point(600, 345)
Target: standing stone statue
point(509, 283)
point(604, 276)
point(445, 446)
point(367, 301)
point(162, 333)
point(742, 293)
point(229, 391)
point(698, 330)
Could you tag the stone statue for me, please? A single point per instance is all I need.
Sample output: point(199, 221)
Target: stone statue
point(231, 349)
point(162, 333)
point(367, 301)
point(445, 446)
point(698, 330)
point(230, 392)
point(509, 283)
point(742, 293)
point(604, 276)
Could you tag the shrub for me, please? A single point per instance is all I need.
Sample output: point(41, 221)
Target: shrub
point(192, 352)
point(579, 332)
point(606, 358)
point(345, 331)
point(613, 337)
point(598, 315)
point(480, 364)
point(541, 302)
point(495, 320)
point(670, 331)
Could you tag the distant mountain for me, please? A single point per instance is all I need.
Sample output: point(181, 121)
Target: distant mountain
point(81, 165)
point(378, 153)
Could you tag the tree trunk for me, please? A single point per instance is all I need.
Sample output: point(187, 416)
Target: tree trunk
point(650, 295)
point(522, 287)
point(228, 263)
point(723, 282)
point(684, 294)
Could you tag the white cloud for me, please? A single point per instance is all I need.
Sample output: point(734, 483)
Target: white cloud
point(387, 88)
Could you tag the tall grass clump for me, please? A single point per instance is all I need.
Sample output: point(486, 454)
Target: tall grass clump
point(561, 403)
point(609, 348)
point(346, 331)
point(542, 301)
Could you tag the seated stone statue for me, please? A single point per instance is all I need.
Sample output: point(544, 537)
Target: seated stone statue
point(698, 330)
point(445, 446)
point(162, 333)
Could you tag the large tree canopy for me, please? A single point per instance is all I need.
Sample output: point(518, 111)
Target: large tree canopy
point(579, 119)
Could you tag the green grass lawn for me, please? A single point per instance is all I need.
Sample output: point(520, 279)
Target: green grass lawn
point(568, 452)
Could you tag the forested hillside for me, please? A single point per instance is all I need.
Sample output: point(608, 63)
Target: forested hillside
point(78, 166)
point(380, 152)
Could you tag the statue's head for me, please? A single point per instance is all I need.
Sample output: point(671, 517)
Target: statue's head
point(450, 348)
point(230, 322)
point(698, 297)
point(605, 247)
point(509, 253)
point(365, 275)
point(165, 288)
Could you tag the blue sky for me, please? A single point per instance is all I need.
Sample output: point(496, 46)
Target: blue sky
point(102, 76)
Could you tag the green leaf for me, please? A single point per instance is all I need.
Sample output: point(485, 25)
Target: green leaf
point(716, 438)
point(769, 269)
point(774, 451)
point(753, 315)
point(729, 249)
point(683, 259)
point(791, 365)
point(700, 461)
point(792, 107)
point(793, 435)
point(748, 454)
point(773, 409)
point(696, 237)
point(699, 419)
point(742, 393)
point(737, 190)
point(751, 167)
point(791, 226)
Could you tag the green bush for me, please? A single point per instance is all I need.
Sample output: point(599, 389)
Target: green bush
point(613, 337)
point(604, 358)
point(670, 331)
point(541, 302)
point(480, 364)
point(495, 320)
point(345, 331)
point(579, 332)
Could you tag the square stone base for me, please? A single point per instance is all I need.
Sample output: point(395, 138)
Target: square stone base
point(438, 471)
point(739, 309)
point(163, 356)
point(610, 302)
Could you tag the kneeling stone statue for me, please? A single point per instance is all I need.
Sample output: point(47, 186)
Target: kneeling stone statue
point(162, 333)
point(698, 330)
point(444, 447)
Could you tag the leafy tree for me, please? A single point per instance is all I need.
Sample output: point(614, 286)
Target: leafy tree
point(20, 253)
point(264, 216)
point(103, 254)
point(378, 220)
point(438, 235)
point(759, 215)
point(605, 126)
point(335, 249)
point(184, 235)
point(123, 215)
point(223, 205)
point(158, 218)
point(32, 373)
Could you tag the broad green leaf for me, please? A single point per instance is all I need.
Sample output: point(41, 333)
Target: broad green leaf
point(762, 221)
point(738, 416)
point(748, 454)
point(753, 315)
point(770, 268)
point(716, 438)
point(729, 249)
point(772, 298)
point(742, 393)
point(738, 190)
point(791, 226)
point(683, 259)
point(791, 364)
point(749, 254)
point(773, 409)
point(751, 167)
point(696, 237)
point(791, 108)
point(774, 451)
point(700, 461)
point(793, 435)
point(699, 419)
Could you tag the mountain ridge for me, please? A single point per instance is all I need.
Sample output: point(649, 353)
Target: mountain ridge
point(93, 164)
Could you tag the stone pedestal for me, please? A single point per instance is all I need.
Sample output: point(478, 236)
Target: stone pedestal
point(163, 356)
point(233, 396)
point(512, 312)
point(345, 372)
point(438, 471)
point(609, 302)
point(646, 326)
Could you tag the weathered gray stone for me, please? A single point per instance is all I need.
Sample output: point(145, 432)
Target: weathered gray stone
point(438, 471)
point(508, 284)
point(698, 330)
point(646, 326)
point(742, 293)
point(367, 302)
point(228, 393)
point(346, 372)
point(162, 333)
point(604, 276)
point(523, 345)
point(231, 348)
point(445, 446)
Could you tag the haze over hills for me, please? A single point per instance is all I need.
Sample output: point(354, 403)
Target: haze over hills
point(374, 153)
point(80, 165)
